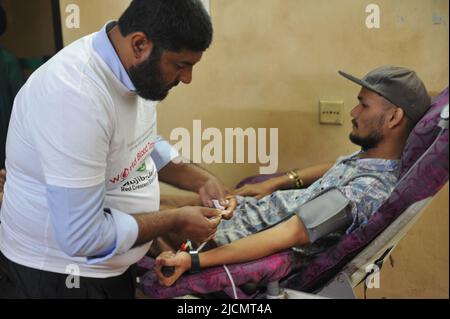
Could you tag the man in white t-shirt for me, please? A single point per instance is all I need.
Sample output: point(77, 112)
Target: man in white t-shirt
point(81, 201)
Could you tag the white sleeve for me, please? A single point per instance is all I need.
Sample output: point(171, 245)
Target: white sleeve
point(85, 228)
point(163, 153)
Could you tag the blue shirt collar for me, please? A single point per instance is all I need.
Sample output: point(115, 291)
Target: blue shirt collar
point(372, 164)
point(104, 48)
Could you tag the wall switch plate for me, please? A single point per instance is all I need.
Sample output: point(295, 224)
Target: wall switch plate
point(437, 18)
point(331, 112)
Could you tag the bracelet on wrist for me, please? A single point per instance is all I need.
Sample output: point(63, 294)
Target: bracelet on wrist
point(296, 181)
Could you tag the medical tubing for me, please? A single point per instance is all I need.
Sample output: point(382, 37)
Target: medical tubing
point(233, 286)
point(232, 281)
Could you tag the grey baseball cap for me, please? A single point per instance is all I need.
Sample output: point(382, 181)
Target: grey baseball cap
point(400, 86)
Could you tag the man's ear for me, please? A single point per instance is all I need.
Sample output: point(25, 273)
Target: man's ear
point(396, 117)
point(141, 46)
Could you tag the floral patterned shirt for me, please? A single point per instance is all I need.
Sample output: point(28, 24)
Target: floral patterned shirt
point(352, 175)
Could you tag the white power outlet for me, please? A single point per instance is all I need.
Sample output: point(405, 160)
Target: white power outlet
point(331, 112)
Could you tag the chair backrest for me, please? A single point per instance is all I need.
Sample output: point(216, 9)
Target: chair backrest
point(419, 182)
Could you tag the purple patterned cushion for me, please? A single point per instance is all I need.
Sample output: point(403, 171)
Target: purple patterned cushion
point(215, 279)
point(424, 133)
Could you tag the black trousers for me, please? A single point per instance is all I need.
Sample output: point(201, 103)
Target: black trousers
point(19, 282)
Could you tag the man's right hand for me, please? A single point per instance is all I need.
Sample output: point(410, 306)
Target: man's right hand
point(198, 224)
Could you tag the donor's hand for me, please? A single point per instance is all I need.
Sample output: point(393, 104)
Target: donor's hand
point(181, 262)
point(230, 204)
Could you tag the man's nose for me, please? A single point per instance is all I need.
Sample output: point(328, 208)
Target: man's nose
point(354, 111)
point(186, 76)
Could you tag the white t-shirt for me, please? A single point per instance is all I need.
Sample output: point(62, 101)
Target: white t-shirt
point(75, 125)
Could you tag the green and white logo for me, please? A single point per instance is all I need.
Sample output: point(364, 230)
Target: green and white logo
point(142, 168)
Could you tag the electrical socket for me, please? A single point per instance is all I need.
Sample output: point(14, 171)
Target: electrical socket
point(331, 112)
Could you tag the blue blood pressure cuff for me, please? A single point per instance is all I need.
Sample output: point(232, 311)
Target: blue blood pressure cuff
point(326, 213)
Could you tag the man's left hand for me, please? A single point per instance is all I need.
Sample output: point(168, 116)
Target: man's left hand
point(213, 189)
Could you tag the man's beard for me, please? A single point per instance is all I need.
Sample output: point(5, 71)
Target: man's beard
point(370, 141)
point(367, 142)
point(148, 79)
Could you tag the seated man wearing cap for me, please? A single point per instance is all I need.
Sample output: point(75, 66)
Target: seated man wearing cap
point(391, 102)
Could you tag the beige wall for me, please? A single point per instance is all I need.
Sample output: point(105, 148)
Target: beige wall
point(272, 61)
point(93, 15)
point(270, 64)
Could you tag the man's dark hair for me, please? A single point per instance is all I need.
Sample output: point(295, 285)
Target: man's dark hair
point(2, 20)
point(172, 25)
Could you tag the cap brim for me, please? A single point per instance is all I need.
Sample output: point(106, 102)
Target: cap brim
point(354, 79)
point(362, 83)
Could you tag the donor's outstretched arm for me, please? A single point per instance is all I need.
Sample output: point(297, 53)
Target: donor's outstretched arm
point(290, 233)
point(322, 215)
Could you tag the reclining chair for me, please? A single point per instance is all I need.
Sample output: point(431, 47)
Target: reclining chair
point(356, 256)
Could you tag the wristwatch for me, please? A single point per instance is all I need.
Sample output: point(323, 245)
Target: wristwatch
point(195, 262)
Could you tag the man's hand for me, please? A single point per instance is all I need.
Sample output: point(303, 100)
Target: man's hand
point(258, 190)
point(198, 224)
point(193, 178)
point(180, 261)
point(213, 188)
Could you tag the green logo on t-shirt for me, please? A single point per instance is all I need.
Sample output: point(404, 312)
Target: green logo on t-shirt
point(142, 168)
